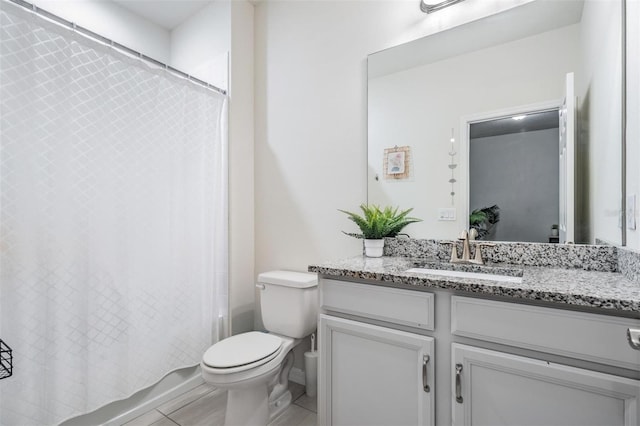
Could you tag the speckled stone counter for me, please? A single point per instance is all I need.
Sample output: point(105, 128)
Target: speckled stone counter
point(610, 291)
point(629, 263)
point(588, 257)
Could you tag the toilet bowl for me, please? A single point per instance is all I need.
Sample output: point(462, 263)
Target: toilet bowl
point(254, 366)
point(258, 384)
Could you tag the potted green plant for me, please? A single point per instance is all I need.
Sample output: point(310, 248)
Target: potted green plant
point(377, 223)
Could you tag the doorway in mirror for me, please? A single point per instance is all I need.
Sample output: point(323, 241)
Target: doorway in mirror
point(514, 174)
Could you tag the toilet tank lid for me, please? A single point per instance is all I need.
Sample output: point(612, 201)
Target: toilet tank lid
point(289, 278)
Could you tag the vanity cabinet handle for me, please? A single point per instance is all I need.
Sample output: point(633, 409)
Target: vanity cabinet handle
point(425, 361)
point(633, 337)
point(458, 383)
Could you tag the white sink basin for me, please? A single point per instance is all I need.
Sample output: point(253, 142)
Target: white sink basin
point(464, 274)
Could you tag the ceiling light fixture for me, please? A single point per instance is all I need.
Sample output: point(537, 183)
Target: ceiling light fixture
point(434, 7)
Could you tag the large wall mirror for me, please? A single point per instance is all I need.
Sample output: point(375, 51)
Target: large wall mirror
point(513, 121)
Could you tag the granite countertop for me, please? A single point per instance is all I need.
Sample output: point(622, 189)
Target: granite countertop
point(602, 290)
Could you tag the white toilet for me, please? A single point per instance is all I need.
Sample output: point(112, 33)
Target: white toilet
point(254, 366)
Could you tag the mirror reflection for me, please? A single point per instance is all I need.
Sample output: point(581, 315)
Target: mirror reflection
point(463, 81)
point(514, 177)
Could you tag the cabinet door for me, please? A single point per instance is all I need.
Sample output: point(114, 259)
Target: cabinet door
point(495, 388)
point(371, 375)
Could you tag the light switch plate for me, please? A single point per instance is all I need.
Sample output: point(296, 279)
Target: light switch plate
point(448, 214)
point(631, 211)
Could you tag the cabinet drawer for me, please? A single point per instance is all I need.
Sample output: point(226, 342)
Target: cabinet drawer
point(405, 307)
point(591, 337)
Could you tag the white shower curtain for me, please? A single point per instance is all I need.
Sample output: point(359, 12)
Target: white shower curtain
point(113, 213)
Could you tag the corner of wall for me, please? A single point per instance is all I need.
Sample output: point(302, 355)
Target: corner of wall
point(241, 169)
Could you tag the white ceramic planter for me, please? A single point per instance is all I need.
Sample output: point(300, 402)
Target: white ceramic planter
point(373, 248)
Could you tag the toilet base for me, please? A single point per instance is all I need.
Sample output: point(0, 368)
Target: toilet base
point(260, 401)
point(278, 406)
point(247, 406)
point(262, 410)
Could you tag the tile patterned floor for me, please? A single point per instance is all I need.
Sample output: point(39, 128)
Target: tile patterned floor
point(205, 406)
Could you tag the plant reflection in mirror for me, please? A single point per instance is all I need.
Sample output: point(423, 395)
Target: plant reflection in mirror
point(483, 220)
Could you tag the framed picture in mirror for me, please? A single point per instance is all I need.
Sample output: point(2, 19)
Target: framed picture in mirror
point(397, 162)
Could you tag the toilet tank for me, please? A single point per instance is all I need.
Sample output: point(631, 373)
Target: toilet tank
point(289, 302)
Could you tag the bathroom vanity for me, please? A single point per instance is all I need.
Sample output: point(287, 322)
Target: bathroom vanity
point(415, 348)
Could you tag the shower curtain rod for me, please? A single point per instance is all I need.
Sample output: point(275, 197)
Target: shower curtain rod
point(98, 37)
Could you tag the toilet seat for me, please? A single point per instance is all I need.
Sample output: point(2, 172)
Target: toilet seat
point(242, 352)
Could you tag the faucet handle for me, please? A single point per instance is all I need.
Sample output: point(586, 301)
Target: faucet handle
point(473, 233)
point(478, 256)
point(482, 243)
point(463, 235)
point(454, 250)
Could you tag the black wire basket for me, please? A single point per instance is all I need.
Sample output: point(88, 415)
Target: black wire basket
point(6, 360)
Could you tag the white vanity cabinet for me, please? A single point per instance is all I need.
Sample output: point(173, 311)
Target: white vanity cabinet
point(374, 375)
point(370, 374)
point(497, 388)
point(399, 356)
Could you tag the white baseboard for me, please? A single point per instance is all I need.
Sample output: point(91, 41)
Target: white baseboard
point(150, 404)
point(297, 375)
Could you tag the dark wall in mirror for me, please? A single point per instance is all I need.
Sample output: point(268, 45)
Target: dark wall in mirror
point(514, 178)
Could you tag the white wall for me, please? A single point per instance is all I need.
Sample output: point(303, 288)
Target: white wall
point(420, 106)
point(311, 102)
point(241, 168)
point(599, 103)
point(200, 44)
point(114, 22)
